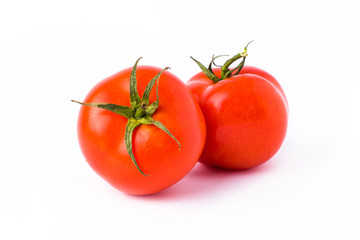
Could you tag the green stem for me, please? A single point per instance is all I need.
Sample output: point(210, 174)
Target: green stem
point(225, 69)
point(140, 112)
point(225, 72)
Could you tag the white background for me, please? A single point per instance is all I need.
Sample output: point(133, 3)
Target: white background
point(54, 51)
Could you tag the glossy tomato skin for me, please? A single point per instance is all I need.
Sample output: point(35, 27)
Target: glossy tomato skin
point(101, 133)
point(246, 118)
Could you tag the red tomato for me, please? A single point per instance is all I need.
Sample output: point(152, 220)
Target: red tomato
point(102, 133)
point(246, 117)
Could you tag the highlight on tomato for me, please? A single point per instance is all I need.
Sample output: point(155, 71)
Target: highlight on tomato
point(245, 110)
point(141, 145)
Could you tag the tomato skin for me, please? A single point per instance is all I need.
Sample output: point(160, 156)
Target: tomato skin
point(268, 77)
point(246, 117)
point(101, 133)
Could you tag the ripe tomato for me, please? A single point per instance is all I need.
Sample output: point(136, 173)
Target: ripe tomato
point(246, 114)
point(133, 150)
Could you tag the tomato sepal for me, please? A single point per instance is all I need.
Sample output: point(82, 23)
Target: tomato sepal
point(207, 71)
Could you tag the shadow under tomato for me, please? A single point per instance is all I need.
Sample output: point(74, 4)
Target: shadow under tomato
point(206, 181)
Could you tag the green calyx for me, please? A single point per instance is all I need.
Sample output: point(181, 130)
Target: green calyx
point(225, 71)
point(140, 111)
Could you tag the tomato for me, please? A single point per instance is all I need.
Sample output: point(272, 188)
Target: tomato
point(136, 149)
point(246, 114)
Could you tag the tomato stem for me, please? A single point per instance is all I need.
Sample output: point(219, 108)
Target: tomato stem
point(226, 72)
point(225, 69)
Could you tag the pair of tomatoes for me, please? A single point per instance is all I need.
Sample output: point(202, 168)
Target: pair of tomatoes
point(231, 118)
